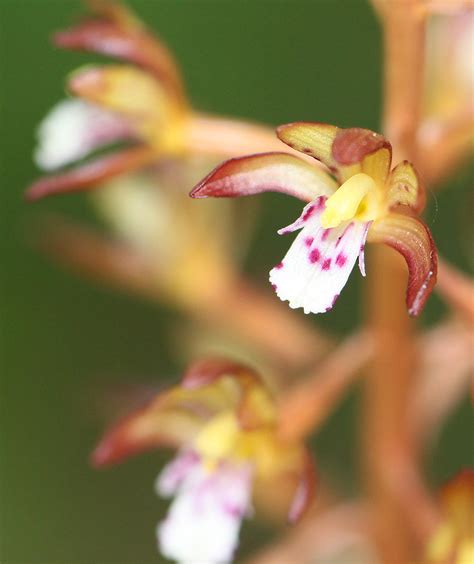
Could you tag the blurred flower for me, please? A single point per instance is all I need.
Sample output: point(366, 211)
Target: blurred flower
point(153, 148)
point(449, 67)
point(223, 422)
point(367, 200)
point(141, 103)
point(453, 540)
point(73, 129)
point(446, 131)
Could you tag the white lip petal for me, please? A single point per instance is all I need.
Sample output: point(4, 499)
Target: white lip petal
point(204, 519)
point(74, 128)
point(319, 262)
point(362, 249)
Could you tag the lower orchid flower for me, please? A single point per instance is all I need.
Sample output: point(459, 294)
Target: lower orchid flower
point(223, 423)
point(453, 540)
point(365, 201)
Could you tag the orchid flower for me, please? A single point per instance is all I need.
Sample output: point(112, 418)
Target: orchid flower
point(223, 423)
point(365, 201)
point(139, 102)
point(453, 540)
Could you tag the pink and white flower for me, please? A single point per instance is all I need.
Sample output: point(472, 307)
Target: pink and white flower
point(204, 519)
point(224, 425)
point(357, 198)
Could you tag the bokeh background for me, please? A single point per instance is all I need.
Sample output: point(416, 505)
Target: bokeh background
point(66, 344)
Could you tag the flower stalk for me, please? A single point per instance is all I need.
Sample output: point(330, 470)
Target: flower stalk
point(392, 470)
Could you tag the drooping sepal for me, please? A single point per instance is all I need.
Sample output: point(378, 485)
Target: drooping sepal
point(88, 175)
point(266, 172)
point(405, 188)
point(411, 238)
point(172, 419)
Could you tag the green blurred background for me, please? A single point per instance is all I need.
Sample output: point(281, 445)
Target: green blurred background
point(65, 341)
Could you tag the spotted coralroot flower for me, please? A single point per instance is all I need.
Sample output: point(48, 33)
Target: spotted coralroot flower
point(223, 423)
point(365, 201)
point(139, 103)
point(453, 540)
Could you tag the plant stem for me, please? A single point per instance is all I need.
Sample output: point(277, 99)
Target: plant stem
point(391, 468)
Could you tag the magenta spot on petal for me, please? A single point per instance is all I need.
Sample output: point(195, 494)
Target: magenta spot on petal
point(327, 264)
point(314, 255)
point(341, 260)
point(308, 241)
point(274, 286)
point(362, 247)
point(279, 266)
point(325, 234)
point(320, 202)
point(333, 303)
point(308, 213)
point(233, 510)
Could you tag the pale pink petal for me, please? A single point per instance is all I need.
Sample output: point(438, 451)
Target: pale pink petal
point(318, 264)
point(74, 128)
point(175, 472)
point(362, 250)
point(204, 519)
point(265, 172)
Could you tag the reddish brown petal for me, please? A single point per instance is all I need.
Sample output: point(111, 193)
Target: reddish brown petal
point(133, 45)
point(88, 175)
point(141, 431)
point(265, 172)
point(405, 187)
point(305, 490)
point(352, 145)
point(361, 150)
point(412, 238)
